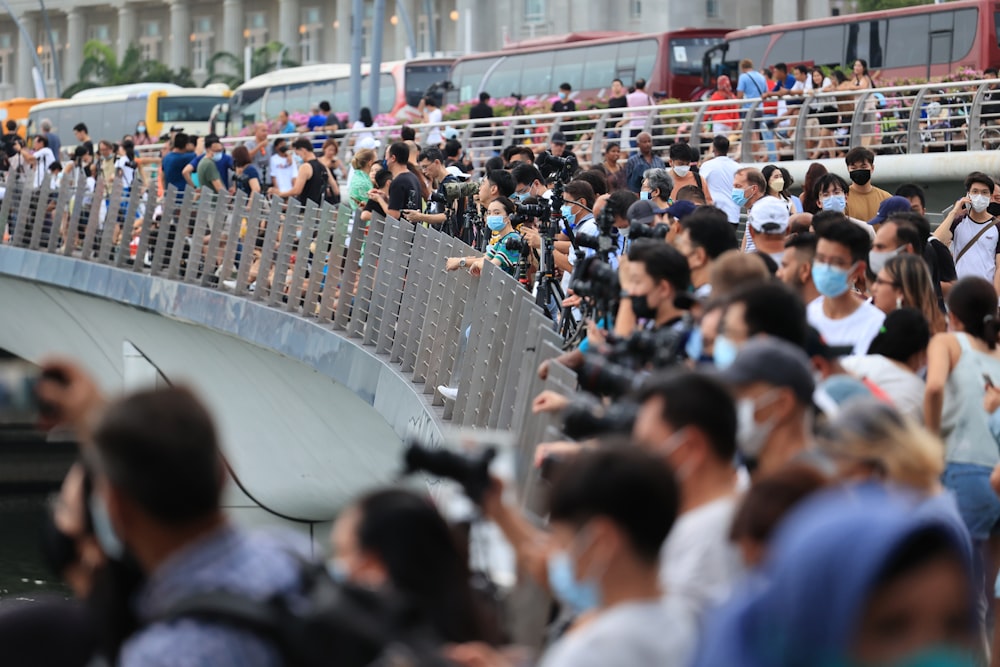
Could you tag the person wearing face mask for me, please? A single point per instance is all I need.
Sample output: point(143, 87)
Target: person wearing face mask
point(498, 220)
point(970, 230)
point(773, 383)
point(529, 182)
point(681, 172)
point(610, 512)
point(831, 197)
point(689, 420)
point(904, 282)
point(657, 184)
point(577, 213)
point(311, 178)
point(841, 315)
point(749, 187)
point(703, 235)
point(765, 309)
point(778, 181)
point(653, 277)
point(209, 173)
point(863, 198)
point(766, 226)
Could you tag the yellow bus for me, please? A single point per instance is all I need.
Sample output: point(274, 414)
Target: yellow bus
point(113, 112)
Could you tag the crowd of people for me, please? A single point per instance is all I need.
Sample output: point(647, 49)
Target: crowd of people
point(802, 467)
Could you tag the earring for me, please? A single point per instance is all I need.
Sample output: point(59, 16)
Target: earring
point(899, 302)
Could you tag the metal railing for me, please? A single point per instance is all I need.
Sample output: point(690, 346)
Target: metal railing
point(381, 284)
point(932, 117)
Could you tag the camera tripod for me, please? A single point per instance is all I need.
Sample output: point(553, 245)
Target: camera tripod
point(549, 294)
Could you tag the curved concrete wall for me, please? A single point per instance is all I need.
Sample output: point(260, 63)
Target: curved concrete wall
point(308, 417)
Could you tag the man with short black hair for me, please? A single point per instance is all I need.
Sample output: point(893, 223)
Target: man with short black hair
point(970, 229)
point(482, 142)
point(718, 173)
point(682, 174)
point(430, 161)
point(210, 166)
point(610, 512)
point(704, 235)
point(498, 183)
point(174, 162)
point(761, 309)
point(404, 191)
point(656, 274)
point(796, 266)
point(41, 158)
point(915, 194)
point(841, 315)
point(936, 254)
point(83, 138)
point(144, 448)
point(528, 182)
point(689, 420)
point(863, 198)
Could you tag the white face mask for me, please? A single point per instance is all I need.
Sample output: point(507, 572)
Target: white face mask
point(877, 260)
point(979, 202)
point(682, 171)
point(751, 436)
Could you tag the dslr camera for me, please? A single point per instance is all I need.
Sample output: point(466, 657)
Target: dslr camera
point(455, 191)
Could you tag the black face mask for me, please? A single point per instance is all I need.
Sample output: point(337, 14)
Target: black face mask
point(993, 209)
point(641, 307)
point(861, 176)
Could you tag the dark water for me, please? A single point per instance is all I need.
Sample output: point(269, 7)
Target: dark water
point(23, 575)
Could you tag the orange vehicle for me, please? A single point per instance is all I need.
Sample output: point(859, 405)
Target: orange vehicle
point(17, 109)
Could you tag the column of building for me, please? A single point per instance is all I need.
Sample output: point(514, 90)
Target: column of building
point(76, 37)
point(26, 57)
point(232, 28)
point(126, 29)
point(180, 31)
point(289, 19)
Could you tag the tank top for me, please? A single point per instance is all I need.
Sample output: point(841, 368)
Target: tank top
point(964, 423)
point(315, 187)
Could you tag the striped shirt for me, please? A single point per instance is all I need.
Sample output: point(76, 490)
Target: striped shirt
point(636, 166)
point(508, 258)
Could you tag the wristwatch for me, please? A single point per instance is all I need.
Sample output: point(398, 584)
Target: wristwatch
point(461, 263)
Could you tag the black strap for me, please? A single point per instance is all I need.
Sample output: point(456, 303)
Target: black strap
point(698, 181)
point(968, 246)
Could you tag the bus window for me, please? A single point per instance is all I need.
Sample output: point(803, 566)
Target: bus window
point(468, 76)
point(686, 54)
point(341, 98)
point(826, 45)
point(600, 66)
point(298, 98)
point(179, 109)
point(627, 54)
point(866, 40)
point(568, 68)
point(645, 58)
point(749, 47)
point(506, 78)
point(418, 78)
point(538, 70)
point(788, 49)
point(907, 45)
point(250, 104)
point(966, 26)
point(274, 103)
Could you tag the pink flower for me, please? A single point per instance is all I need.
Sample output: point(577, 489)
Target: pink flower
point(451, 108)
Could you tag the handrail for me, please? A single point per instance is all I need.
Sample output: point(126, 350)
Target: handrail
point(382, 284)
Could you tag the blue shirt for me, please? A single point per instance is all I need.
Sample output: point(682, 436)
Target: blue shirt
point(173, 169)
point(636, 167)
point(224, 164)
point(751, 84)
point(230, 559)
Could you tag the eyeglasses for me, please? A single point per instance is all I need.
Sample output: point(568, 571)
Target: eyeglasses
point(890, 283)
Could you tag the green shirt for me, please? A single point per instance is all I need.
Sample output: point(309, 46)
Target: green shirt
point(357, 190)
point(208, 173)
point(508, 258)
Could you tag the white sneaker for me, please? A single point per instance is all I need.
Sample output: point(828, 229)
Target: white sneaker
point(451, 393)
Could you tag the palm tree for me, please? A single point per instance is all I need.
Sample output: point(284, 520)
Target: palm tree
point(227, 68)
point(100, 67)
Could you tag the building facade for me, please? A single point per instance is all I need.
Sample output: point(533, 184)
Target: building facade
point(186, 33)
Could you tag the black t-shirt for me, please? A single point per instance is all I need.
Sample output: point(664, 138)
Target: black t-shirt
point(404, 192)
point(618, 102)
point(374, 207)
point(332, 121)
point(942, 267)
point(563, 107)
point(481, 110)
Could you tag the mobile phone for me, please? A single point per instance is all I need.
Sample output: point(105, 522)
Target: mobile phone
point(987, 380)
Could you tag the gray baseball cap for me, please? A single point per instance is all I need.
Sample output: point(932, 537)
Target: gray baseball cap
point(775, 362)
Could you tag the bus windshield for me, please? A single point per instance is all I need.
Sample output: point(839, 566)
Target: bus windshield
point(180, 108)
point(686, 54)
point(421, 77)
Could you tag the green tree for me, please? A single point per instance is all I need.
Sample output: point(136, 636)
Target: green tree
point(227, 68)
point(875, 5)
point(101, 67)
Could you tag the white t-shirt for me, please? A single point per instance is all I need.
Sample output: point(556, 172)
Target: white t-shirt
point(360, 136)
point(902, 385)
point(44, 159)
point(631, 634)
point(981, 259)
point(434, 134)
point(718, 173)
point(282, 171)
point(698, 563)
point(128, 172)
point(857, 329)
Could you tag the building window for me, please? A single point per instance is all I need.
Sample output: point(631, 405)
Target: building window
point(534, 11)
point(423, 34)
point(201, 44)
point(366, 35)
point(712, 9)
point(635, 9)
point(149, 40)
point(100, 33)
point(43, 48)
point(309, 35)
point(256, 31)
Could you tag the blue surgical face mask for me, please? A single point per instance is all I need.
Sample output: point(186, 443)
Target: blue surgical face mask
point(645, 194)
point(835, 203)
point(519, 196)
point(830, 281)
point(216, 156)
point(111, 544)
point(724, 352)
point(140, 129)
point(580, 595)
point(567, 213)
point(739, 196)
point(495, 222)
point(337, 570)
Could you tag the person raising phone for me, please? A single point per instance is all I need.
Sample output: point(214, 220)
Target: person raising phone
point(971, 229)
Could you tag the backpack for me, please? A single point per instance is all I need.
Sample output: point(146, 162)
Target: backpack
point(331, 623)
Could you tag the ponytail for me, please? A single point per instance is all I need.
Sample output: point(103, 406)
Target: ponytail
point(991, 330)
point(973, 302)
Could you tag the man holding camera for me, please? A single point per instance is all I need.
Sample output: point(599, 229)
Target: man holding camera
point(431, 163)
point(404, 192)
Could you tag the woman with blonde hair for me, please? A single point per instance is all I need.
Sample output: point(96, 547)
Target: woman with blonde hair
point(360, 183)
point(872, 439)
point(905, 282)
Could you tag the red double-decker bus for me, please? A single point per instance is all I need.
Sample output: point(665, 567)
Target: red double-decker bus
point(924, 41)
point(670, 62)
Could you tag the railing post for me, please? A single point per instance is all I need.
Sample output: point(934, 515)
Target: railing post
point(913, 130)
